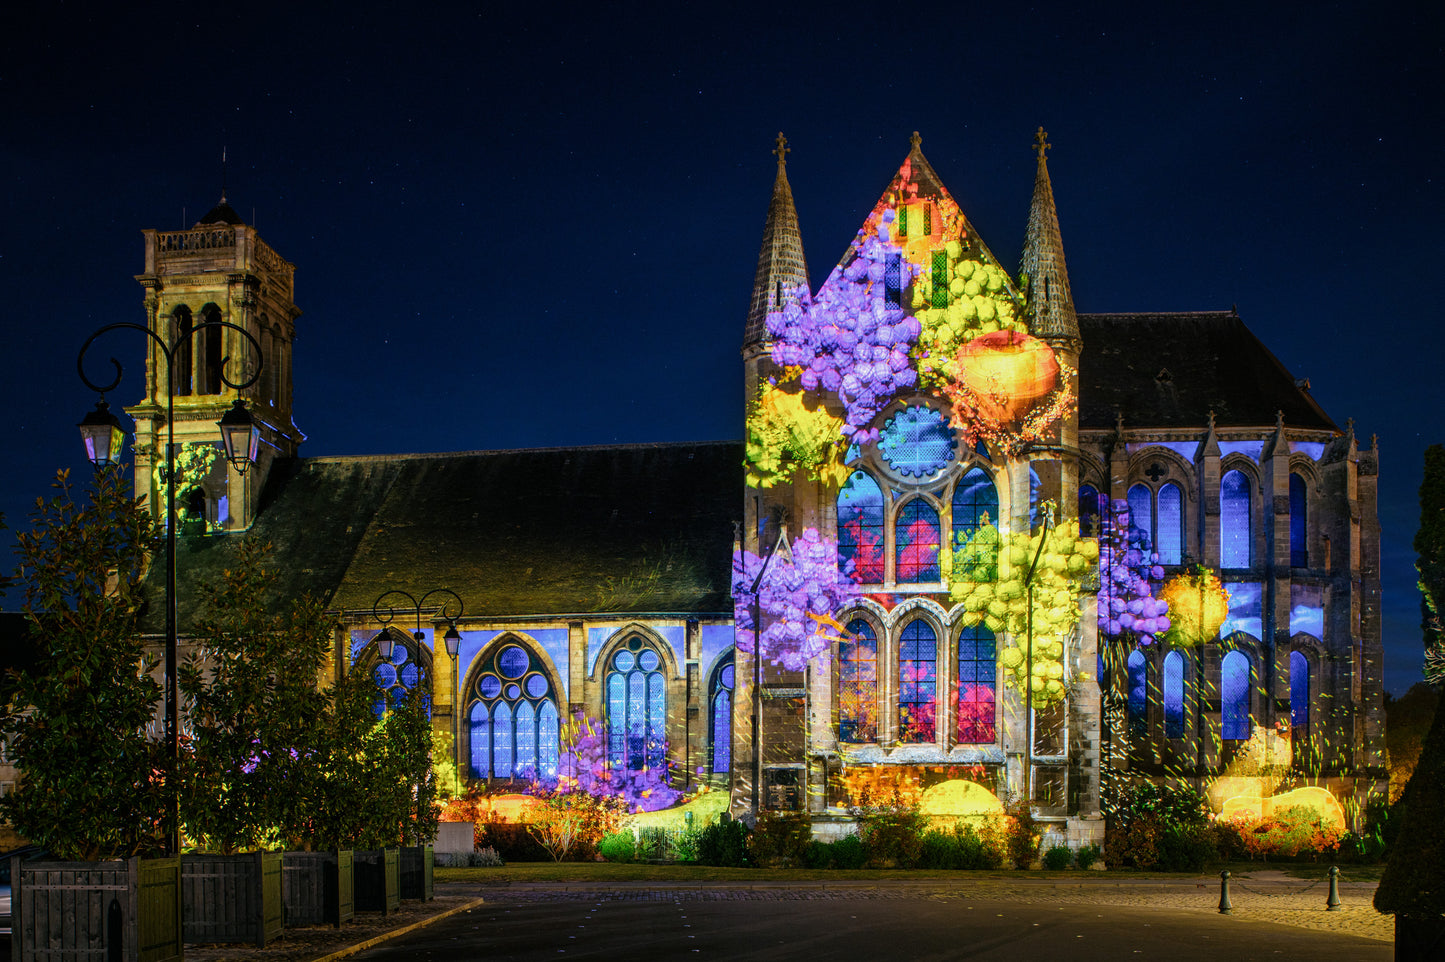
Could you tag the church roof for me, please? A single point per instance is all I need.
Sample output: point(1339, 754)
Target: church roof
point(1172, 370)
point(637, 529)
point(781, 264)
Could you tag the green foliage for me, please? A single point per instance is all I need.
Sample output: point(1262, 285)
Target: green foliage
point(574, 823)
point(90, 780)
point(723, 843)
point(786, 436)
point(1159, 827)
point(1021, 834)
point(893, 836)
point(1058, 857)
point(1087, 855)
point(962, 847)
point(249, 777)
point(488, 858)
point(194, 461)
point(849, 852)
point(780, 839)
point(1430, 547)
point(617, 847)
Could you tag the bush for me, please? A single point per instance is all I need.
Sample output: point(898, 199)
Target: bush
point(685, 844)
point(780, 839)
point(511, 839)
point(893, 837)
point(849, 852)
point(617, 847)
point(724, 843)
point(1021, 836)
point(654, 843)
point(1058, 857)
point(818, 854)
point(488, 858)
point(1087, 855)
point(1186, 849)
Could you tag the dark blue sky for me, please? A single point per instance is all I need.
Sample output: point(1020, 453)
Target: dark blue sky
point(518, 226)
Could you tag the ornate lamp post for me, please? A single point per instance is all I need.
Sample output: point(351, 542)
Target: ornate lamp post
point(101, 431)
point(452, 638)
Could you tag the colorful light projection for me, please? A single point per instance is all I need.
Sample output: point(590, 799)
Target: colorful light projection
point(1198, 604)
point(1001, 604)
point(787, 437)
point(1128, 609)
point(797, 601)
point(1008, 389)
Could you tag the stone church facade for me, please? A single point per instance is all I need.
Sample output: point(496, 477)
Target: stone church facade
point(599, 581)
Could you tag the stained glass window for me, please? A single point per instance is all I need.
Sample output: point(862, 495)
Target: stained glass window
point(399, 675)
point(1169, 525)
point(1173, 695)
point(720, 711)
point(860, 528)
point(636, 707)
point(1299, 691)
point(513, 718)
point(1091, 511)
point(940, 271)
point(1234, 681)
point(977, 670)
point(917, 539)
point(1141, 516)
point(917, 442)
point(1234, 520)
point(975, 500)
point(917, 682)
point(1138, 692)
point(858, 684)
point(1298, 531)
point(893, 279)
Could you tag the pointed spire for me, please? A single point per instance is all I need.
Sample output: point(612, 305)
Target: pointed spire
point(781, 265)
point(1051, 305)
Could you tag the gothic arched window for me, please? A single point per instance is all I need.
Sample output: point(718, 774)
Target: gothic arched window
point(916, 535)
point(1160, 516)
point(858, 684)
point(975, 499)
point(513, 717)
point(720, 716)
point(860, 528)
point(208, 379)
point(917, 682)
point(977, 685)
point(1138, 708)
point(1235, 535)
point(636, 706)
point(407, 670)
point(181, 325)
point(1173, 685)
point(1298, 515)
point(1235, 720)
point(1299, 693)
point(1091, 511)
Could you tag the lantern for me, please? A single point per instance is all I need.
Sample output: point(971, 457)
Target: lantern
point(1007, 373)
point(103, 436)
point(240, 437)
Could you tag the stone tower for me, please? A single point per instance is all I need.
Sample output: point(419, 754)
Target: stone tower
point(218, 270)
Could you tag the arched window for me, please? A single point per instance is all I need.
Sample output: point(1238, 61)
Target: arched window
point(977, 670)
point(1235, 720)
point(513, 717)
point(1298, 530)
point(407, 670)
point(181, 325)
point(917, 682)
point(1235, 536)
point(1138, 692)
point(208, 380)
point(1091, 511)
point(1299, 693)
point(975, 501)
point(636, 707)
point(1169, 525)
point(1173, 686)
point(720, 715)
point(860, 528)
point(1141, 513)
point(917, 537)
point(858, 684)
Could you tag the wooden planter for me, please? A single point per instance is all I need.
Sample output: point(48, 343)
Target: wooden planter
point(417, 862)
point(317, 888)
point(378, 880)
point(231, 898)
point(128, 909)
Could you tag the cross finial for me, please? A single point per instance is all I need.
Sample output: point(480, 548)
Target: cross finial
point(782, 150)
point(1211, 419)
point(916, 140)
point(1041, 143)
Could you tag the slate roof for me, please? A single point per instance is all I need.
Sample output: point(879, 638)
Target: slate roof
point(637, 529)
point(1171, 370)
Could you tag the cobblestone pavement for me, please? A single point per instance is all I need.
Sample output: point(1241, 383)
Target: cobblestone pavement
point(1265, 897)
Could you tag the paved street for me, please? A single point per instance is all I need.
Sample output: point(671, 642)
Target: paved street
point(879, 922)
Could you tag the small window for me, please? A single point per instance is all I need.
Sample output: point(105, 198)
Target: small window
point(208, 379)
point(181, 341)
point(860, 528)
point(1235, 535)
point(1236, 722)
point(975, 503)
point(940, 271)
point(977, 671)
point(917, 537)
point(858, 684)
point(893, 279)
point(1173, 695)
point(917, 683)
point(1138, 708)
point(1298, 529)
point(720, 712)
point(1169, 525)
point(1299, 693)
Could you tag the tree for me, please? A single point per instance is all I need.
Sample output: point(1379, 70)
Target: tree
point(255, 708)
point(1430, 546)
point(90, 781)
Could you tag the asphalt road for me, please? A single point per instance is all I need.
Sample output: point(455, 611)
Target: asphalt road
point(861, 929)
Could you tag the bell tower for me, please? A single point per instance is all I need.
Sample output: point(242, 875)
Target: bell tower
point(218, 270)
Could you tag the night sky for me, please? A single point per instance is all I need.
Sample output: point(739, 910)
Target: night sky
point(519, 226)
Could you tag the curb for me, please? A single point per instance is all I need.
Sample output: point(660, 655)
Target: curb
point(378, 939)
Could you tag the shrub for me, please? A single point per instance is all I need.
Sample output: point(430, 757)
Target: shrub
point(724, 843)
point(654, 843)
point(818, 854)
point(617, 847)
point(849, 852)
point(1021, 835)
point(488, 858)
point(780, 838)
point(1186, 849)
point(1058, 857)
point(893, 836)
point(684, 845)
point(1087, 855)
point(572, 823)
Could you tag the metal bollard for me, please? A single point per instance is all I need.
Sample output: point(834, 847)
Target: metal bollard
point(1333, 905)
point(1224, 907)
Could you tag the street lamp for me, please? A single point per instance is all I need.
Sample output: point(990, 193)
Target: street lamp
point(756, 590)
point(1029, 683)
point(103, 437)
point(384, 642)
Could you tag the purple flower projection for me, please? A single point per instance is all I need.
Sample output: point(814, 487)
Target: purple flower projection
point(1126, 565)
point(582, 767)
point(798, 601)
point(853, 339)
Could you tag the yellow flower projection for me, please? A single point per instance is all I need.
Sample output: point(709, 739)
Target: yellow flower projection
point(1198, 605)
point(786, 436)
